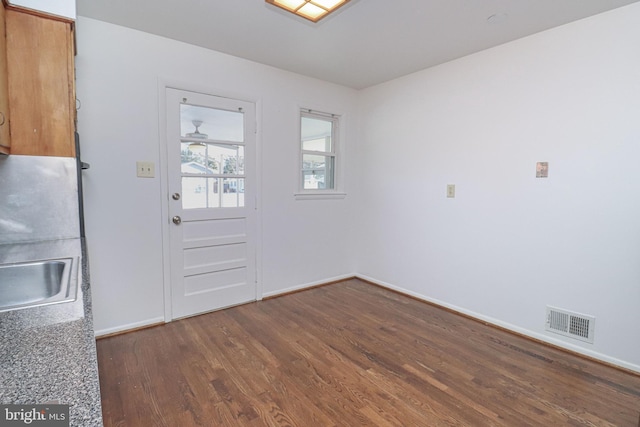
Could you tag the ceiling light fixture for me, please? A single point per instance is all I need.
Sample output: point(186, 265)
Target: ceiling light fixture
point(197, 147)
point(313, 10)
point(197, 134)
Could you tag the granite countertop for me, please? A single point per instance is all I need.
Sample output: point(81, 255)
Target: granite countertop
point(48, 353)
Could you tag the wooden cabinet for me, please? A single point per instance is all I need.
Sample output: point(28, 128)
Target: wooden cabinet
point(4, 94)
point(41, 86)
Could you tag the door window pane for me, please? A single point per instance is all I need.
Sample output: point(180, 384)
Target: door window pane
point(199, 193)
point(204, 192)
point(212, 160)
point(233, 193)
point(195, 159)
point(231, 157)
point(209, 158)
point(210, 123)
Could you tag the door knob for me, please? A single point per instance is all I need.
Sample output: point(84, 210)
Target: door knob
point(176, 196)
point(177, 220)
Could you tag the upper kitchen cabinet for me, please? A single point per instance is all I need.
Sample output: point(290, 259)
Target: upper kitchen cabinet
point(41, 84)
point(4, 98)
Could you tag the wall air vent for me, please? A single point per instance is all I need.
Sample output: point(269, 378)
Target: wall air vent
point(569, 324)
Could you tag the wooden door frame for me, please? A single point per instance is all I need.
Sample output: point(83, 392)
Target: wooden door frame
point(161, 170)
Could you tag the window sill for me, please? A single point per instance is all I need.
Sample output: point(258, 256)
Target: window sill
point(320, 196)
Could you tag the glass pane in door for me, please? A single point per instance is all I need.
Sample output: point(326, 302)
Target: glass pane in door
point(199, 193)
point(212, 157)
point(233, 193)
point(211, 123)
point(229, 157)
point(195, 159)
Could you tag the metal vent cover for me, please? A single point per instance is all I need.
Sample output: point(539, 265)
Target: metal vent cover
point(570, 324)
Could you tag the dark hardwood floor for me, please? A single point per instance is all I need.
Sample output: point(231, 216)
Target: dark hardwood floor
point(351, 354)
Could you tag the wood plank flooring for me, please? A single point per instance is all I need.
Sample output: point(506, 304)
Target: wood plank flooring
point(351, 354)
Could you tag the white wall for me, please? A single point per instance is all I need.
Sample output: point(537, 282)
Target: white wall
point(303, 242)
point(510, 244)
point(63, 8)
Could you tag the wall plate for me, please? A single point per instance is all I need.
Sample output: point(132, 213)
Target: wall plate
point(146, 169)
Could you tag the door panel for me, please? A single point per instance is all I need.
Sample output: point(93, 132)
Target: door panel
point(225, 279)
point(203, 257)
point(222, 229)
point(211, 174)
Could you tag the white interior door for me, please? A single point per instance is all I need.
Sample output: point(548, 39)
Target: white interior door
point(211, 161)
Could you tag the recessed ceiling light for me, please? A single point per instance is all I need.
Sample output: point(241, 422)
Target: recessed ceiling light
point(313, 10)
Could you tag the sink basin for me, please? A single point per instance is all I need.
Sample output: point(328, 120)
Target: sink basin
point(36, 283)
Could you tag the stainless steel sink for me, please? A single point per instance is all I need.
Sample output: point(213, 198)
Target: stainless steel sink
point(36, 283)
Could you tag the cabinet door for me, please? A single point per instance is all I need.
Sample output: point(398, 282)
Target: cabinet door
point(4, 98)
point(41, 85)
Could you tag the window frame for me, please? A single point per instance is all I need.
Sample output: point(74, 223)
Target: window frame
point(335, 153)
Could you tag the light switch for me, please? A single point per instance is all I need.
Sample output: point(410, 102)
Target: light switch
point(451, 191)
point(146, 169)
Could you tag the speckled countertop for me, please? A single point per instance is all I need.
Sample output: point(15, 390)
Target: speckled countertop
point(48, 353)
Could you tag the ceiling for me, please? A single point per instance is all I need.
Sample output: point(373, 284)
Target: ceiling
point(365, 43)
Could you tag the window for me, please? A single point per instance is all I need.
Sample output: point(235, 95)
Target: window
point(212, 160)
point(318, 145)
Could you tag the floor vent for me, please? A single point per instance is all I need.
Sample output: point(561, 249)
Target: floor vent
point(569, 324)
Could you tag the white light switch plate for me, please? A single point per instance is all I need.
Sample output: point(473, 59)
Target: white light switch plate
point(451, 191)
point(146, 169)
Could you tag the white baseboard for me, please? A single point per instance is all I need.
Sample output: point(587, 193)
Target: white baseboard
point(122, 328)
point(136, 325)
point(505, 325)
point(307, 285)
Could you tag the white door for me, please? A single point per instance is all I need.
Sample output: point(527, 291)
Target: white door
point(211, 165)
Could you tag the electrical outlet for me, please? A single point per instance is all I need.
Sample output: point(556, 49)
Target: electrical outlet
point(146, 169)
point(451, 191)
